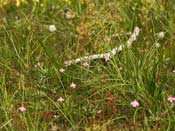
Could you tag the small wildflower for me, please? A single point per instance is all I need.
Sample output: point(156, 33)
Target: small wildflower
point(85, 64)
point(22, 108)
point(38, 65)
point(157, 45)
point(120, 48)
point(67, 63)
point(107, 58)
point(99, 111)
point(120, 68)
point(132, 38)
point(68, 14)
point(161, 35)
point(73, 85)
point(60, 99)
point(134, 103)
point(94, 57)
point(62, 70)
point(52, 28)
point(173, 71)
point(171, 99)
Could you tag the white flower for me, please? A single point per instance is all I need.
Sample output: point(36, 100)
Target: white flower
point(157, 45)
point(62, 70)
point(161, 35)
point(70, 15)
point(174, 71)
point(52, 28)
point(85, 64)
point(120, 48)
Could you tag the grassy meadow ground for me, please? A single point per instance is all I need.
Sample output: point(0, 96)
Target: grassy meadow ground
point(39, 93)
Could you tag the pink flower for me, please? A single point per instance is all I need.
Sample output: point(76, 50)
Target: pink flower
point(99, 111)
point(107, 58)
point(171, 99)
point(62, 70)
point(73, 85)
point(22, 108)
point(60, 99)
point(134, 103)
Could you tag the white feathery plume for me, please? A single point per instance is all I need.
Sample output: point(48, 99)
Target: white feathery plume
point(110, 54)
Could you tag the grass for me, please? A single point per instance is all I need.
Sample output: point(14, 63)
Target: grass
point(31, 57)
